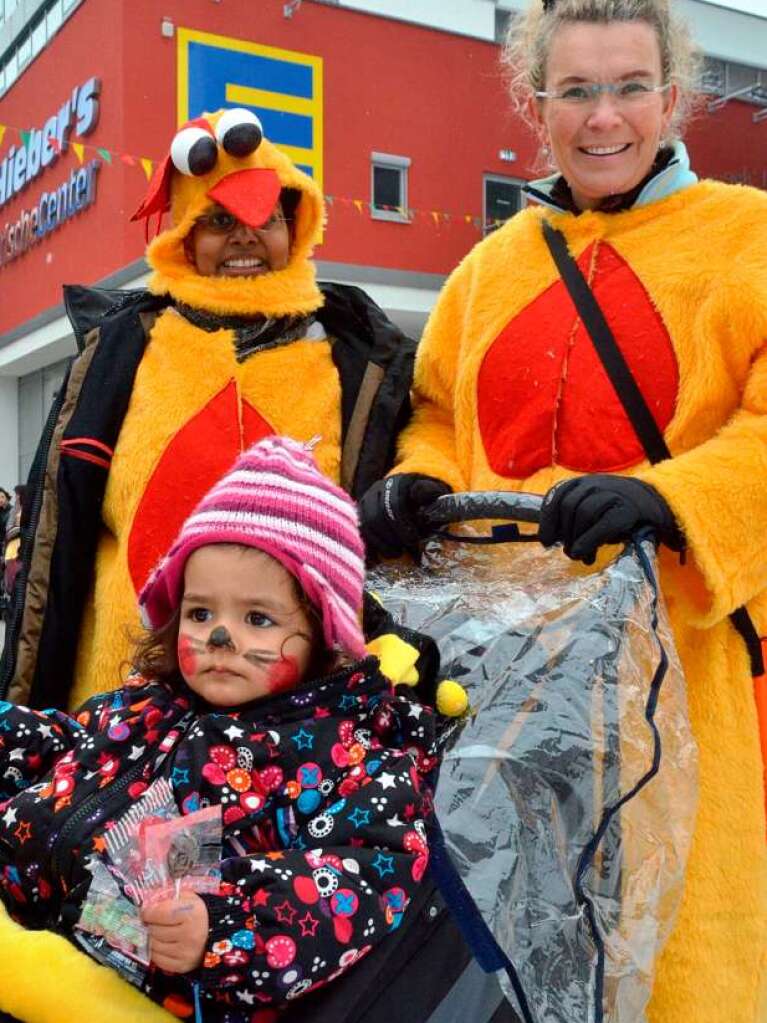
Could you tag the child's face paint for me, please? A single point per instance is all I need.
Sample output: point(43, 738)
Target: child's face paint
point(283, 675)
point(220, 638)
point(188, 650)
point(243, 633)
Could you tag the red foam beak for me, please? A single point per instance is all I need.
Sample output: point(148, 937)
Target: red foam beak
point(250, 195)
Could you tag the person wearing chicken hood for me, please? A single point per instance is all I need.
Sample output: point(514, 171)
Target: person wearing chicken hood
point(511, 394)
point(233, 341)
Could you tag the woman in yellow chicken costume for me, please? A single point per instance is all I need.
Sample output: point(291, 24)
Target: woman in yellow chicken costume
point(510, 394)
point(234, 340)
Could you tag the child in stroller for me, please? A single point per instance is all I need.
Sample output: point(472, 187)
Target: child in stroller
point(256, 697)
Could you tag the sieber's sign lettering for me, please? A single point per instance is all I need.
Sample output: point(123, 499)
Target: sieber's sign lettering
point(42, 147)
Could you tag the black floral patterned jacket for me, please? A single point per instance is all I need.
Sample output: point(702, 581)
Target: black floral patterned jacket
point(324, 792)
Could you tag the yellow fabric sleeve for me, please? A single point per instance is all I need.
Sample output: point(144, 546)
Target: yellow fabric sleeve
point(73, 983)
point(428, 444)
point(718, 490)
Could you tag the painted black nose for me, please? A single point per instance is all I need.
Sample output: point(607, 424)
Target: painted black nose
point(220, 639)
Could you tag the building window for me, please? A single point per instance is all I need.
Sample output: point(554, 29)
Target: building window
point(502, 198)
point(388, 187)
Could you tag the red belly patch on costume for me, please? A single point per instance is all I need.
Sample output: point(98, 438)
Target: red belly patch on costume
point(543, 397)
point(198, 455)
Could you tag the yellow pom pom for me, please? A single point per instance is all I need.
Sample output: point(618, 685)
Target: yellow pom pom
point(452, 700)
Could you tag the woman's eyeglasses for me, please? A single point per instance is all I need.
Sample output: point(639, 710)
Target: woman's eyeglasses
point(584, 93)
point(223, 222)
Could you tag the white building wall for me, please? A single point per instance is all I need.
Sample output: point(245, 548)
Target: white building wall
point(466, 17)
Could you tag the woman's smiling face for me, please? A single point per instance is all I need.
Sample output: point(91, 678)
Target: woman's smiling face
point(604, 146)
point(220, 245)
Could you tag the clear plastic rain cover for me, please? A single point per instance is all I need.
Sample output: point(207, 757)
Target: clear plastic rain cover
point(567, 796)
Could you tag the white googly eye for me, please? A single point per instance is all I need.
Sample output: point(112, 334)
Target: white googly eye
point(194, 151)
point(239, 132)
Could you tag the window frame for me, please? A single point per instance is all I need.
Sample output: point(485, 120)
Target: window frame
point(505, 179)
point(390, 161)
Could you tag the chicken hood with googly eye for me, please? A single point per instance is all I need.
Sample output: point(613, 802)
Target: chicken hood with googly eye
point(223, 158)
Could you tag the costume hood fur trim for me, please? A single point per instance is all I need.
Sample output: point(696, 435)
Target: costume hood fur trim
point(280, 293)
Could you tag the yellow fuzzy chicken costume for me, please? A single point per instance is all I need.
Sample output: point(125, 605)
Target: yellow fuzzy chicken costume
point(178, 438)
point(510, 395)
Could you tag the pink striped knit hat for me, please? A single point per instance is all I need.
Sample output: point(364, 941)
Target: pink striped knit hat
point(275, 499)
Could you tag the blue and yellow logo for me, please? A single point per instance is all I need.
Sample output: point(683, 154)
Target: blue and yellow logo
point(282, 87)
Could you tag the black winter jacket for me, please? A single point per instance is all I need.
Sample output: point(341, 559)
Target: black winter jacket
point(332, 776)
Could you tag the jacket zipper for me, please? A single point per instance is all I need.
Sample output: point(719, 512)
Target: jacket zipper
point(86, 808)
point(104, 798)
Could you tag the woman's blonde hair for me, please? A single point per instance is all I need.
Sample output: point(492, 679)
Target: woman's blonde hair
point(528, 42)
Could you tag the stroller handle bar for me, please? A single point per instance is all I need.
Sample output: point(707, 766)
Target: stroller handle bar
point(475, 505)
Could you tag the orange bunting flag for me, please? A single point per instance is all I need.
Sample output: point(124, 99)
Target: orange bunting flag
point(55, 145)
point(146, 163)
point(79, 150)
point(435, 216)
point(360, 204)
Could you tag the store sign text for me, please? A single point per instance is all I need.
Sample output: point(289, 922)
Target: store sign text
point(53, 210)
point(42, 147)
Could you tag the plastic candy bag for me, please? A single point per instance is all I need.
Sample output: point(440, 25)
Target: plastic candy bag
point(152, 854)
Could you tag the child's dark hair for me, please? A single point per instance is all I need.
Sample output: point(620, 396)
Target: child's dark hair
point(156, 655)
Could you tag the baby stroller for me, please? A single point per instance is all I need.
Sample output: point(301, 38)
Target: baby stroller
point(564, 803)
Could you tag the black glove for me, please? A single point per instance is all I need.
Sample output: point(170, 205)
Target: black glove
point(389, 513)
point(587, 512)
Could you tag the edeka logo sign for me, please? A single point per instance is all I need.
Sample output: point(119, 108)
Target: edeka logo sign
point(282, 87)
point(43, 146)
point(40, 150)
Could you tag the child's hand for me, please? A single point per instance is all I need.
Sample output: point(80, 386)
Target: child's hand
point(178, 932)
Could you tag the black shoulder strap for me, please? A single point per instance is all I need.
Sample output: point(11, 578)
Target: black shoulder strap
point(631, 397)
point(607, 349)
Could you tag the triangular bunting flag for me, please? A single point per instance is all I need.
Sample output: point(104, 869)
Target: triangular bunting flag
point(105, 155)
point(435, 216)
point(127, 158)
point(24, 137)
point(146, 163)
point(53, 142)
point(360, 204)
point(329, 200)
point(2, 132)
point(79, 149)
